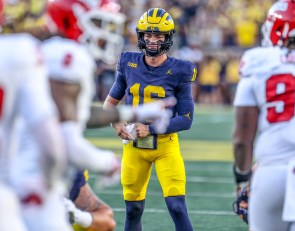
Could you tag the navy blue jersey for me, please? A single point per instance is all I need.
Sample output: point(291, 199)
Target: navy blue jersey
point(141, 85)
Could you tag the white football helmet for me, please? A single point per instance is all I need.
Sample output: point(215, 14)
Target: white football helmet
point(91, 23)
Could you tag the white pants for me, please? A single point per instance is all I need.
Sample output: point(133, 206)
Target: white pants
point(50, 216)
point(28, 177)
point(10, 214)
point(267, 199)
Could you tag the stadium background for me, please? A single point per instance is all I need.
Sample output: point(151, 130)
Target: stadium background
point(213, 34)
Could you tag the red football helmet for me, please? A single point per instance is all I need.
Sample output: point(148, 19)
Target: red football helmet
point(279, 24)
point(87, 22)
point(1, 12)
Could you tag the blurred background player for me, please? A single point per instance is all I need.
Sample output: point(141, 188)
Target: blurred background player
point(144, 77)
point(33, 185)
point(72, 90)
point(86, 210)
point(265, 103)
point(100, 216)
point(24, 93)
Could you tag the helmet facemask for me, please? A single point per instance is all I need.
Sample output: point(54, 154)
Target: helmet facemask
point(279, 25)
point(100, 30)
point(102, 33)
point(163, 47)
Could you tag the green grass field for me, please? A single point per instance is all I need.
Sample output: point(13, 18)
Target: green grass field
point(207, 151)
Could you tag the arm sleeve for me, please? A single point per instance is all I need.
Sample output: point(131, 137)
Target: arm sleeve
point(184, 110)
point(118, 89)
point(244, 95)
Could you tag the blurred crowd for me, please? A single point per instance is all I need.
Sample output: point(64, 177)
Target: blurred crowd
point(211, 33)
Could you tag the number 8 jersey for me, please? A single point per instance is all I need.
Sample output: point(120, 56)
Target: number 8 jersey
point(268, 82)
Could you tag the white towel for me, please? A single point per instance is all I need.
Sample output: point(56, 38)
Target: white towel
point(132, 130)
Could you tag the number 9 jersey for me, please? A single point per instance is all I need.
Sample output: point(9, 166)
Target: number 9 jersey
point(268, 82)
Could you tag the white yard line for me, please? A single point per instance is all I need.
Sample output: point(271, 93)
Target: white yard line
point(151, 193)
point(199, 179)
point(199, 212)
point(195, 179)
point(192, 168)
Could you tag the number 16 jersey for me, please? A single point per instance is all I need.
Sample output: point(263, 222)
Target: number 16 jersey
point(142, 84)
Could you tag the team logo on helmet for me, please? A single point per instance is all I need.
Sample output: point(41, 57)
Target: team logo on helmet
point(157, 21)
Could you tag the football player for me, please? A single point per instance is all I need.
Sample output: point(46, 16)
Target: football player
point(72, 90)
point(265, 106)
point(24, 93)
point(145, 77)
point(87, 211)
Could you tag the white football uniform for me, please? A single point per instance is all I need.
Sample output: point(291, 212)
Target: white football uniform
point(69, 61)
point(268, 82)
point(24, 93)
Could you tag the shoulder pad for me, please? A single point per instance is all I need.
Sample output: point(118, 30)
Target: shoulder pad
point(19, 50)
point(67, 60)
point(129, 59)
point(258, 60)
point(187, 71)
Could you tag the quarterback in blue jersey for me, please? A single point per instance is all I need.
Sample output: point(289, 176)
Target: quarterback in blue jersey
point(144, 77)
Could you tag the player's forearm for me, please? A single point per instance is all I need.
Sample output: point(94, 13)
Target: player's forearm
point(244, 136)
point(82, 154)
point(110, 103)
point(183, 120)
point(102, 117)
point(243, 156)
point(177, 124)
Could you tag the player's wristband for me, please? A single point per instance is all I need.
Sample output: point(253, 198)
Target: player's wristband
point(241, 176)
